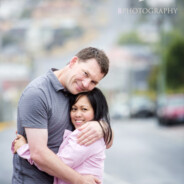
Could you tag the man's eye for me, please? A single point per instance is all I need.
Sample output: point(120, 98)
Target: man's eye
point(93, 83)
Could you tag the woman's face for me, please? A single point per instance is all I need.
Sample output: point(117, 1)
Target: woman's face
point(81, 112)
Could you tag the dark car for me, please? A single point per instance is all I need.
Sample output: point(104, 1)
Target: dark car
point(172, 110)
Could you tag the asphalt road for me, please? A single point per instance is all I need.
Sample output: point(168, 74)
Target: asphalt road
point(143, 153)
point(6, 137)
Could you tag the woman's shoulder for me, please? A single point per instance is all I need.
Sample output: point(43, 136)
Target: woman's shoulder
point(99, 142)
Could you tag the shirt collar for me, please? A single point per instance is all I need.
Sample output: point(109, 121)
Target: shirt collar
point(55, 82)
point(66, 133)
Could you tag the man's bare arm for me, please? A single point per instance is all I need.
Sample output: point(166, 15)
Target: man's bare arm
point(48, 161)
point(91, 132)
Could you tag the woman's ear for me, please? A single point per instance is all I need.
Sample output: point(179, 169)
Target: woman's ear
point(73, 61)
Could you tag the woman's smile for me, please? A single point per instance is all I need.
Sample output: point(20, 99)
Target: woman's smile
point(81, 112)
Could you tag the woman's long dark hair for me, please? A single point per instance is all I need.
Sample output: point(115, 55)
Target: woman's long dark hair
point(100, 107)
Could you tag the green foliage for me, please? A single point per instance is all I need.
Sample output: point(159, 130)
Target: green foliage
point(174, 64)
point(152, 80)
point(171, 51)
point(170, 48)
point(166, 38)
point(129, 38)
point(179, 18)
point(179, 90)
point(149, 93)
point(26, 13)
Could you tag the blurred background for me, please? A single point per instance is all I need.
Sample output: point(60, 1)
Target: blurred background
point(144, 40)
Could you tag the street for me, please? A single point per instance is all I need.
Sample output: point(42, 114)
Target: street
point(143, 153)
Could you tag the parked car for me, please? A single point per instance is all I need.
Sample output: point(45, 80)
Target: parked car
point(170, 110)
point(119, 111)
point(142, 106)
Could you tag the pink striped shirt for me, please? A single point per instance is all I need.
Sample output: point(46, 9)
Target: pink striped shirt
point(83, 159)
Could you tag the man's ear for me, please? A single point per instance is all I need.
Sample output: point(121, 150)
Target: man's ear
point(73, 61)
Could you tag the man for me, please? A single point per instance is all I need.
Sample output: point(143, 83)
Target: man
point(43, 116)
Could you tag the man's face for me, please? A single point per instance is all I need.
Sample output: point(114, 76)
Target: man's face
point(83, 76)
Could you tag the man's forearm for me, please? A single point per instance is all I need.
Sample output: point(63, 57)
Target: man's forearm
point(51, 164)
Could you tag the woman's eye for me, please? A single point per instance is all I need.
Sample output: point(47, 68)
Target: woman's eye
point(84, 109)
point(74, 109)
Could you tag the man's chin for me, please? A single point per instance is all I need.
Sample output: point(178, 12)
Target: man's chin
point(78, 90)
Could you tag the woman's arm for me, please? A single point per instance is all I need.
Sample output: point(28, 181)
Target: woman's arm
point(21, 147)
point(24, 151)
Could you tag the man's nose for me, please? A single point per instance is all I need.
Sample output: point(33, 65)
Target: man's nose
point(86, 83)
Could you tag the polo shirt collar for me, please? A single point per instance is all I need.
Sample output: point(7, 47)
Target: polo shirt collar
point(55, 82)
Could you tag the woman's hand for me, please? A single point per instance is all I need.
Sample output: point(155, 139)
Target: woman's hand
point(18, 142)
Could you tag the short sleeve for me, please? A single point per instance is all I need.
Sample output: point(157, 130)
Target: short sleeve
point(32, 109)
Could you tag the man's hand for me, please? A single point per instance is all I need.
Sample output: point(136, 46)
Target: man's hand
point(88, 179)
point(89, 133)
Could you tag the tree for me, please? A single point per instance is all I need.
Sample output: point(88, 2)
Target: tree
point(174, 64)
point(129, 38)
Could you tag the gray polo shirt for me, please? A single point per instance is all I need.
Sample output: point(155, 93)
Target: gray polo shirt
point(43, 105)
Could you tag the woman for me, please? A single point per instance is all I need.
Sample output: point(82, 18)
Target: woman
point(84, 107)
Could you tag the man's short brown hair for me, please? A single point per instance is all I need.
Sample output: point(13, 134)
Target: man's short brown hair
point(94, 53)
